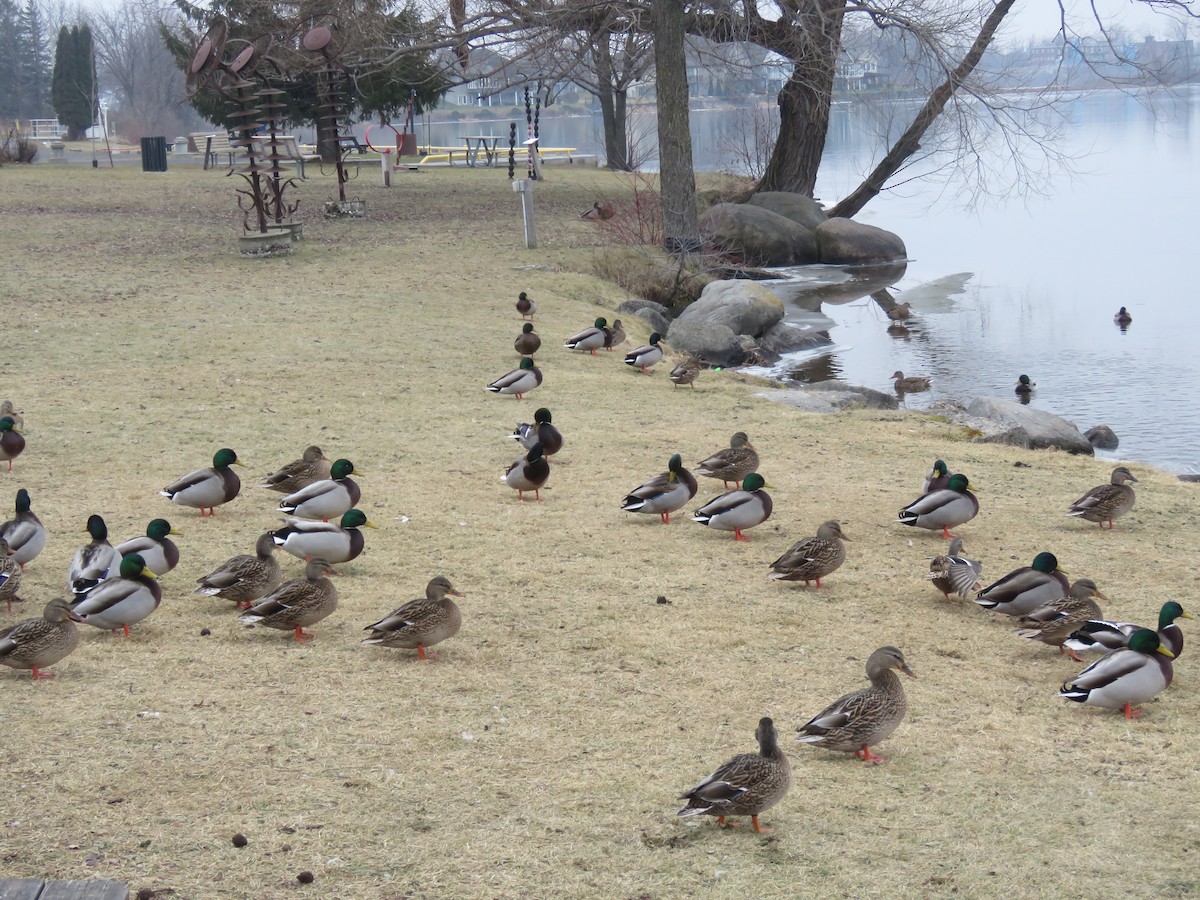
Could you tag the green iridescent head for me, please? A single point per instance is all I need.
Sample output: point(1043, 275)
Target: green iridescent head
point(96, 528)
point(224, 458)
point(753, 482)
point(1046, 563)
point(341, 468)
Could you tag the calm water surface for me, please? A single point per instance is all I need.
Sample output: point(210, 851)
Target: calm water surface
point(1029, 285)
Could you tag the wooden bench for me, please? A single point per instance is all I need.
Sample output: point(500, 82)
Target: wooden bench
point(214, 146)
point(39, 889)
point(289, 148)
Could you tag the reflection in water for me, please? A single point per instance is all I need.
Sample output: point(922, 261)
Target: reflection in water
point(899, 331)
point(825, 367)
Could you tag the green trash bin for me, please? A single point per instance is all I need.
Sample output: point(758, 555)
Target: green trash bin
point(154, 154)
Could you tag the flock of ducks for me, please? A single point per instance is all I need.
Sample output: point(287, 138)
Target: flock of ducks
point(116, 587)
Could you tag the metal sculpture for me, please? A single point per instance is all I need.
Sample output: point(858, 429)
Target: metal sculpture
point(334, 105)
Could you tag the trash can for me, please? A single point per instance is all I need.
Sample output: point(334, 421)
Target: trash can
point(154, 154)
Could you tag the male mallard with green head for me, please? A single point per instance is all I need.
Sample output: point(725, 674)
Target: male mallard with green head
point(12, 442)
point(812, 558)
point(1024, 386)
point(7, 409)
point(663, 494)
point(313, 465)
point(155, 548)
point(94, 561)
point(855, 722)
point(590, 339)
point(1054, 622)
point(746, 785)
point(1023, 590)
point(540, 431)
point(733, 463)
point(1108, 501)
point(207, 488)
point(948, 508)
point(24, 533)
point(526, 305)
point(1103, 636)
point(36, 644)
point(1123, 317)
point(938, 477)
point(245, 578)
point(336, 542)
point(527, 342)
point(738, 510)
point(646, 356)
point(119, 602)
point(1125, 677)
point(420, 623)
point(520, 381)
point(326, 499)
point(528, 473)
point(297, 603)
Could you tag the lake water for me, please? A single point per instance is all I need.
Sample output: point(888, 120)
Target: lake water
point(1027, 285)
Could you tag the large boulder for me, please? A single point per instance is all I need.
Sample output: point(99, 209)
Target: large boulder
point(784, 337)
point(654, 314)
point(1102, 437)
point(800, 209)
point(715, 344)
point(831, 397)
point(1043, 430)
point(758, 235)
point(846, 242)
point(745, 307)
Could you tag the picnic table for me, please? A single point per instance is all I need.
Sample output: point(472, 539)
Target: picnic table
point(481, 143)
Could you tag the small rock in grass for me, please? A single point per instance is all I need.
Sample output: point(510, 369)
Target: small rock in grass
point(240, 840)
point(305, 877)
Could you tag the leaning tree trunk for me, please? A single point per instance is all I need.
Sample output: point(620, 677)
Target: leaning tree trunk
point(805, 100)
point(677, 178)
point(910, 142)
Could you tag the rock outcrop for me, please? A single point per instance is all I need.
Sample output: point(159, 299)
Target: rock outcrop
point(846, 242)
point(758, 235)
point(1027, 426)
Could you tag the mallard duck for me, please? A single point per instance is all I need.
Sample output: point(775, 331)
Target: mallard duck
point(900, 312)
point(645, 356)
point(297, 603)
point(11, 440)
point(7, 409)
point(948, 508)
point(94, 561)
point(737, 510)
point(520, 381)
point(528, 473)
point(526, 305)
point(245, 578)
point(937, 479)
point(856, 721)
point(336, 542)
point(157, 550)
point(527, 342)
point(1108, 501)
point(24, 533)
point(812, 558)
point(122, 601)
point(951, 572)
point(1024, 386)
point(913, 384)
point(312, 466)
point(1119, 679)
point(207, 488)
point(663, 494)
point(326, 499)
point(1054, 622)
point(420, 623)
point(747, 785)
point(615, 335)
point(1023, 590)
point(10, 576)
point(734, 463)
point(1103, 636)
point(37, 643)
point(590, 339)
point(598, 211)
point(1123, 317)
point(541, 431)
point(686, 372)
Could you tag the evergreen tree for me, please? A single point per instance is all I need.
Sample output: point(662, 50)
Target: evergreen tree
point(73, 88)
point(34, 76)
point(10, 53)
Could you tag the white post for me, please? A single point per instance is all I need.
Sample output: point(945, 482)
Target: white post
point(385, 162)
point(524, 187)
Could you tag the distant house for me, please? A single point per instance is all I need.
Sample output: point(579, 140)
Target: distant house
point(491, 80)
point(857, 73)
point(1169, 60)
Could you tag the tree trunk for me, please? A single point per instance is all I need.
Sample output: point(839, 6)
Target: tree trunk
point(805, 100)
point(910, 142)
point(677, 178)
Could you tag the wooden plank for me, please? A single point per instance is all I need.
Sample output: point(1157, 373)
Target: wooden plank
point(82, 889)
point(20, 888)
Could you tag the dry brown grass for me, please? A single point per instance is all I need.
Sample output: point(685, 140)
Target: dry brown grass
point(542, 753)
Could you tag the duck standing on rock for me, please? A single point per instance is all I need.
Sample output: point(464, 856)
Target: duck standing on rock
point(812, 558)
point(12, 442)
point(663, 494)
point(948, 508)
point(646, 356)
point(733, 463)
point(297, 603)
point(24, 533)
point(207, 488)
point(313, 465)
point(119, 602)
point(35, 644)
point(1108, 501)
point(738, 510)
point(520, 381)
point(951, 572)
point(1023, 590)
point(1054, 622)
point(590, 339)
point(746, 785)
point(540, 431)
point(528, 473)
point(156, 549)
point(527, 342)
point(245, 578)
point(420, 623)
point(1125, 677)
point(855, 722)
